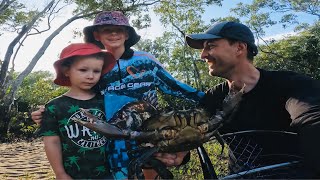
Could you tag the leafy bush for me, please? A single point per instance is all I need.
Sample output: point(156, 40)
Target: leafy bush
point(36, 89)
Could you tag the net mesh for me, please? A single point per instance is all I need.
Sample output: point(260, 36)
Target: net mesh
point(248, 159)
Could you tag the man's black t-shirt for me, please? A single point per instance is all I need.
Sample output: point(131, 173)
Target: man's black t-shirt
point(280, 101)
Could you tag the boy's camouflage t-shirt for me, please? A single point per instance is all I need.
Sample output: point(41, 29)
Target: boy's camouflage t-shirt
point(83, 150)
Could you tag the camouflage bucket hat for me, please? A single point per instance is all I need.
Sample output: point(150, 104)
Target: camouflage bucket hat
point(116, 18)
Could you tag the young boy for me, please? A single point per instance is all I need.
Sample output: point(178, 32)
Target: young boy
point(74, 151)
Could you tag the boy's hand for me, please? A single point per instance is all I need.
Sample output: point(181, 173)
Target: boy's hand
point(36, 116)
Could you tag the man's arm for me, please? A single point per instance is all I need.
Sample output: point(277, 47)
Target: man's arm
point(303, 106)
point(306, 118)
point(53, 150)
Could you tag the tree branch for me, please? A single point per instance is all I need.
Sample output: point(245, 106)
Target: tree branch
point(4, 5)
point(41, 51)
point(24, 30)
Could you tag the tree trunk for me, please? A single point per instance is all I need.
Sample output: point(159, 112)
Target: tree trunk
point(4, 122)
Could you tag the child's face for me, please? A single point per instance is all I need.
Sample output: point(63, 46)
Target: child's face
point(84, 73)
point(112, 37)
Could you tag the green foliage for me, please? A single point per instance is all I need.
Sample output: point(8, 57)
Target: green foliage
point(182, 17)
point(135, 8)
point(36, 89)
point(284, 12)
point(15, 16)
point(300, 53)
point(228, 18)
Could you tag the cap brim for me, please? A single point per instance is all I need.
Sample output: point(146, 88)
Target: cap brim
point(109, 62)
point(60, 79)
point(133, 37)
point(196, 40)
point(89, 37)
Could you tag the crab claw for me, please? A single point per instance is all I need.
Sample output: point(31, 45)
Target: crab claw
point(232, 99)
point(102, 127)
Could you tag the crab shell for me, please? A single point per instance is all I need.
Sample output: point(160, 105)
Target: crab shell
point(172, 131)
point(178, 130)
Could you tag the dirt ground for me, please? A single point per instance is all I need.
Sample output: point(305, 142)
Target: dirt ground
point(24, 160)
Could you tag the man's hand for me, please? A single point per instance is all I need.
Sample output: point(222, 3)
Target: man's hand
point(36, 116)
point(171, 159)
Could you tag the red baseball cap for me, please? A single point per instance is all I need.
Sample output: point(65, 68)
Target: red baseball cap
point(81, 49)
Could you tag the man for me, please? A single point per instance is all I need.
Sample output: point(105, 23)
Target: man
point(273, 100)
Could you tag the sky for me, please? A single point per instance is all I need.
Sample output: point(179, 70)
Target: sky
point(66, 36)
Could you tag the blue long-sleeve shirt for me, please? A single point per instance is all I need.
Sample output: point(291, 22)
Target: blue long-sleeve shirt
point(130, 81)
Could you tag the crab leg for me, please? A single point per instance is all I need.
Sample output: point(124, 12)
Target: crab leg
point(152, 136)
point(102, 127)
point(105, 129)
point(113, 132)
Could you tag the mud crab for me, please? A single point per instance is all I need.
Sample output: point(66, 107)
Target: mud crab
point(158, 131)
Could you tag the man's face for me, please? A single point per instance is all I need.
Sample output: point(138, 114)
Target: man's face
point(221, 57)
